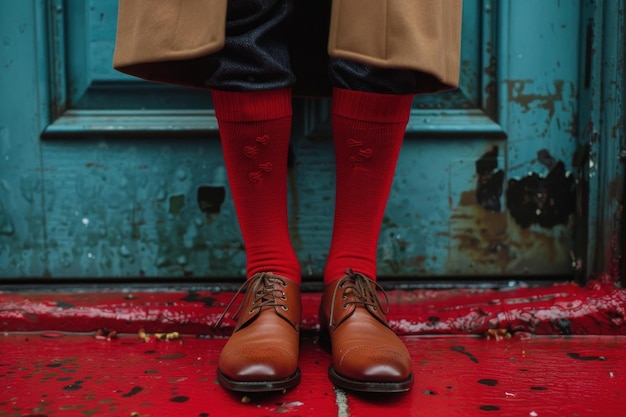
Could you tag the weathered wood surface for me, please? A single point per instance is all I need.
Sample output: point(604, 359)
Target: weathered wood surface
point(561, 309)
point(46, 374)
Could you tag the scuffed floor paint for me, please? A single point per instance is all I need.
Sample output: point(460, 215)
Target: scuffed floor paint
point(599, 308)
point(46, 374)
point(558, 350)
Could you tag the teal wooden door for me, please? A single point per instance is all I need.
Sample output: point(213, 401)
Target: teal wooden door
point(106, 176)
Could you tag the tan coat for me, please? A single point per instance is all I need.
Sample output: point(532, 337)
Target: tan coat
point(161, 40)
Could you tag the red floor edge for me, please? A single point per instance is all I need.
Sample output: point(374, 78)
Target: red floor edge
point(550, 351)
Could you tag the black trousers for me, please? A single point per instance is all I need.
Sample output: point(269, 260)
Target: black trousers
point(256, 55)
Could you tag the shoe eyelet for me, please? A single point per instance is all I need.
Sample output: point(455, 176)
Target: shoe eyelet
point(283, 284)
point(284, 307)
point(344, 297)
point(251, 311)
point(345, 306)
point(283, 296)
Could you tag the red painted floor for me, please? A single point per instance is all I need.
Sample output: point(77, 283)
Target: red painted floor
point(596, 309)
point(79, 375)
point(553, 351)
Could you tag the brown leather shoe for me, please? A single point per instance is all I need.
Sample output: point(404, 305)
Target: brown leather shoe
point(262, 353)
point(367, 354)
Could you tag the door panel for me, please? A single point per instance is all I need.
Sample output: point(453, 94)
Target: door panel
point(134, 184)
point(22, 201)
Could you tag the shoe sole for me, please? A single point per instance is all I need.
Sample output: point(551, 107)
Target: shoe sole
point(259, 386)
point(369, 386)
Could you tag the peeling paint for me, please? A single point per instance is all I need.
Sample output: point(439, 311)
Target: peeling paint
point(516, 93)
point(544, 200)
point(494, 243)
point(490, 179)
point(177, 202)
point(210, 199)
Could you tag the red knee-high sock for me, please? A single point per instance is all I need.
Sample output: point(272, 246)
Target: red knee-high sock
point(368, 130)
point(255, 130)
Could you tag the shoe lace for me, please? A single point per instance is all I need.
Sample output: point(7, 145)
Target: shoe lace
point(263, 287)
point(363, 291)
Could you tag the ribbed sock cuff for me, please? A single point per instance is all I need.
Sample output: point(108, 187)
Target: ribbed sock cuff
point(373, 107)
point(252, 106)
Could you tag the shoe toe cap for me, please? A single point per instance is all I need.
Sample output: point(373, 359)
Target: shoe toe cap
point(258, 364)
point(374, 364)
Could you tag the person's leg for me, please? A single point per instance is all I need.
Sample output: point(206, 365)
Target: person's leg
point(255, 129)
point(250, 81)
point(370, 111)
point(368, 129)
